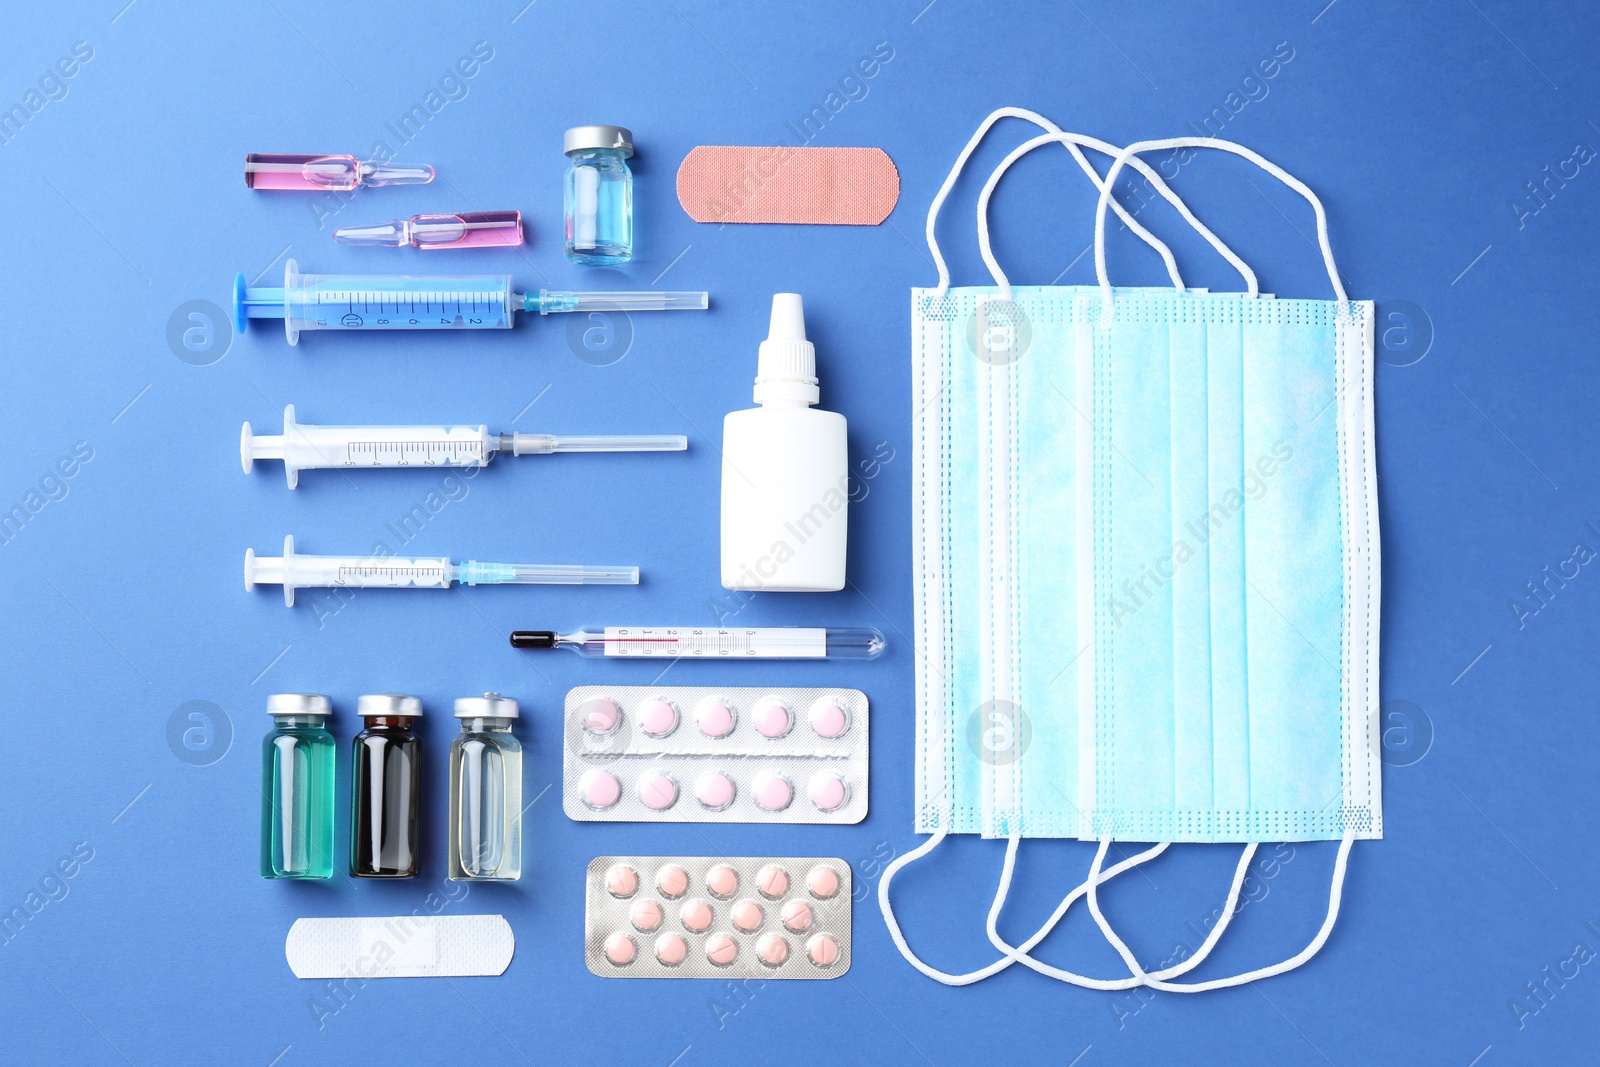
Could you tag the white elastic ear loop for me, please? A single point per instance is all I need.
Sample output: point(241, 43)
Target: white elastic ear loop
point(1155, 980)
point(1021, 952)
point(955, 173)
point(1001, 891)
point(1139, 147)
point(1228, 909)
point(1072, 140)
point(1045, 124)
point(1335, 894)
point(899, 938)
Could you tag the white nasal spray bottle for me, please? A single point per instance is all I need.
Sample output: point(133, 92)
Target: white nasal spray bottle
point(785, 475)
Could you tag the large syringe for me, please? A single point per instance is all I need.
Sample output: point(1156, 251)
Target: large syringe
point(395, 572)
point(422, 302)
point(302, 445)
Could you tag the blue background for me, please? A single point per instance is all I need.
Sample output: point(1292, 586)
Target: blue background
point(1418, 124)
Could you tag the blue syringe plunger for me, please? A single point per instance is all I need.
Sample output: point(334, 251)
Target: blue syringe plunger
point(255, 302)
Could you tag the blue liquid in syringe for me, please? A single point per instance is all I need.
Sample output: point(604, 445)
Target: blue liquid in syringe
point(402, 303)
point(418, 302)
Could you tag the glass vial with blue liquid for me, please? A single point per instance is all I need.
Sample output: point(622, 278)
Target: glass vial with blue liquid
point(297, 768)
point(599, 194)
point(385, 788)
point(486, 792)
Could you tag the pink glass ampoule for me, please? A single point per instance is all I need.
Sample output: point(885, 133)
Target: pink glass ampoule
point(323, 173)
point(468, 229)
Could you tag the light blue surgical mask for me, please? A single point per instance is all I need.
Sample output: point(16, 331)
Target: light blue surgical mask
point(1147, 565)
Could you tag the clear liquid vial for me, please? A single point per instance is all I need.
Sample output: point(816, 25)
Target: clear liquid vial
point(486, 792)
point(385, 788)
point(297, 768)
point(599, 194)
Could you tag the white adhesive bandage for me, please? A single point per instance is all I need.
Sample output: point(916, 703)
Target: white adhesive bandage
point(400, 946)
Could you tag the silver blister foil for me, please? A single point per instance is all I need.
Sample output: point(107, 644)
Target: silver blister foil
point(719, 917)
point(700, 754)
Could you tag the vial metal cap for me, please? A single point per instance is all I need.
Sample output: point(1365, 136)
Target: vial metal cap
point(488, 706)
point(298, 704)
point(399, 705)
point(581, 137)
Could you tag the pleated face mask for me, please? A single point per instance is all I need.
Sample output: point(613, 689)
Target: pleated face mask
point(1147, 562)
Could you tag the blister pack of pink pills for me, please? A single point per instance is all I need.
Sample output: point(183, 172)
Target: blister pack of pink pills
point(704, 754)
point(717, 917)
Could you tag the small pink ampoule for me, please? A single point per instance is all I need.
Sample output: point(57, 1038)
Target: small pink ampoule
point(468, 229)
point(323, 173)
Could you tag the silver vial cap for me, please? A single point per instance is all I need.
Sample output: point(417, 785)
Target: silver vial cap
point(581, 137)
point(298, 704)
point(488, 706)
point(389, 704)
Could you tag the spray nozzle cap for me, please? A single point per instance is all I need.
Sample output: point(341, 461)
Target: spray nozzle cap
point(786, 367)
point(788, 318)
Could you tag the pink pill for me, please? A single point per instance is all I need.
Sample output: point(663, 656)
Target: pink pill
point(714, 718)
point(822, 882)
point(823, 950)
point(658, 718)
point(772, 881)
point(722, 881)
point(771, 717)
point(695, 915)
point(771, 791)
point(772, 949)
point(672, 881)
point(645, 915)
point(797, 916)
point(827, 791)
point(714, 790)
point(828, 718)
point(599, 716)
point(599, 789)
point(657, 790)
point(747, 916)
point(671, 949)
point(721, 949)
point(621, 948)
point(622, 881)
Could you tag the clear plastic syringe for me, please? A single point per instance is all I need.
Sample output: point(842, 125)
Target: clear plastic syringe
point(693, 642)
point(422, 302)
point(394, 572)
point(302, 445)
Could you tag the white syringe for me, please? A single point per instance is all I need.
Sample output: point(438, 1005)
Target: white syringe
point(303, 446)
point(396, 572)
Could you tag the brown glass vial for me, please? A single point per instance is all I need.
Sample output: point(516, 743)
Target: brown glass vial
point(386, 791)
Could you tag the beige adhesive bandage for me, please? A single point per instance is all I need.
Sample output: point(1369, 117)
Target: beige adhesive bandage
point(777, 183)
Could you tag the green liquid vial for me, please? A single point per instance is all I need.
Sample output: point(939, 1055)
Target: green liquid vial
point(297, 767)
point(486, 792)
